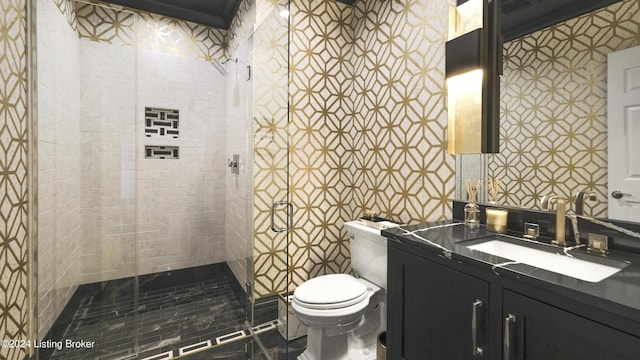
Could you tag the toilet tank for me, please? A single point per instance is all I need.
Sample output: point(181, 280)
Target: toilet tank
point(368, 251)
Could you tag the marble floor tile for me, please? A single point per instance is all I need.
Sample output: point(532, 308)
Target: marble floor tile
point(168, 319)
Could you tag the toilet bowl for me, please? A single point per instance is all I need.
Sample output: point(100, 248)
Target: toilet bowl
point(337, 301)
point(333, 307)
point(343, 313)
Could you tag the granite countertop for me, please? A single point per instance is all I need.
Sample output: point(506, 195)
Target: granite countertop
point(450, 239)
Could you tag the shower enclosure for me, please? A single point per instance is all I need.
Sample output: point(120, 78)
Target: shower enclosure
point(148, 245)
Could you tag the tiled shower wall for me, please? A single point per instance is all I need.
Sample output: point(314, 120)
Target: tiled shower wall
point(59, 166)
point(175, 203)
point(181, 222)
point(108, 162)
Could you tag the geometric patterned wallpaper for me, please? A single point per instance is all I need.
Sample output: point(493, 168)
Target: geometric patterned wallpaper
point(366, 130)
point(367, 124)
point(105, 24)
point(180, 38)
point(152, 32)
point(14, 311)
point(320, 137)
point(554, 108)
point(402, 169)
point(68, 9)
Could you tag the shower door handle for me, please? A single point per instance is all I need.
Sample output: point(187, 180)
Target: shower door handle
point(273, 215)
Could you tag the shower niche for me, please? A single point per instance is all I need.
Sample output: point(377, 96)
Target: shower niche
point(161, 152)
point(161, 122)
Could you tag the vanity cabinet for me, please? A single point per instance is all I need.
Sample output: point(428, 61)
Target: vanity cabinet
point(439, 308)
point(434, 312)
point(535, 330)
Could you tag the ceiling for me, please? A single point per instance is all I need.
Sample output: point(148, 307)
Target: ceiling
point(522, 17)
point(519, 17)
point(214, 13)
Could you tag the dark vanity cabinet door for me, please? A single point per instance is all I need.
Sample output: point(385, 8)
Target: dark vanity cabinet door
point(434, 312)
point(534, 330)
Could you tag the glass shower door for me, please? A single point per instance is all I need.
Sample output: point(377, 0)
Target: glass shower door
point(272, 211)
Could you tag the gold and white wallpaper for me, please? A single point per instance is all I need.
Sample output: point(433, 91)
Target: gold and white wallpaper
point(105, 24)
point(554, 108)
point(401, 167)
point(367, 124)
point(148, 31)
point(180, 38)
point(14, 323)
point(68, 9)
point(320, 137)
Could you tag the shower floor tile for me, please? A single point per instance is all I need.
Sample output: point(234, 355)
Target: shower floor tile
point(173, 312)
point(168, 319)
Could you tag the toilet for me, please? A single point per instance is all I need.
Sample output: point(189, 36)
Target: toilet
point(343, 313)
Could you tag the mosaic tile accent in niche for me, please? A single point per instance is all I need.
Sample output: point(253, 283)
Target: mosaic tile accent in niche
point(161, 122)
point(554, 108)
point(161, 152)
point(14, 203)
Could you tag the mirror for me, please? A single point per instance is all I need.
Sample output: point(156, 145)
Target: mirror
point(553, 121)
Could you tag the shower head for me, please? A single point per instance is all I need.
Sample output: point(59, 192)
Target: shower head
point(218, 65)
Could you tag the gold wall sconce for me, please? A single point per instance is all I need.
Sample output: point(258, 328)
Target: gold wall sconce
point(473, 65)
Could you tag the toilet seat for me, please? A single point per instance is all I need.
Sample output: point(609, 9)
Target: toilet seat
point(328, 292)
point(346, 300)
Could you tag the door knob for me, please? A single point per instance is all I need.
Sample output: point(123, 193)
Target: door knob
point(617, 194)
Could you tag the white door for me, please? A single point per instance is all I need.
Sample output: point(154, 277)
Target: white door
point(624, 134)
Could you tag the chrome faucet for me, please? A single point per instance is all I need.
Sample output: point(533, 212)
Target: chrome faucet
point(561, 209)
point(580, 197)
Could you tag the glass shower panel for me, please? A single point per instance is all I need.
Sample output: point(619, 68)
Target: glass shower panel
point(108, 180)
point(271, 210)
point(86, 240)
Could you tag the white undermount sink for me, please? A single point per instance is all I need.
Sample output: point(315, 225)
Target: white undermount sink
point(586, 270)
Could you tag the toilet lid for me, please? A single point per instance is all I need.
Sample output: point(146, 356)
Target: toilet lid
point(330, 291)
